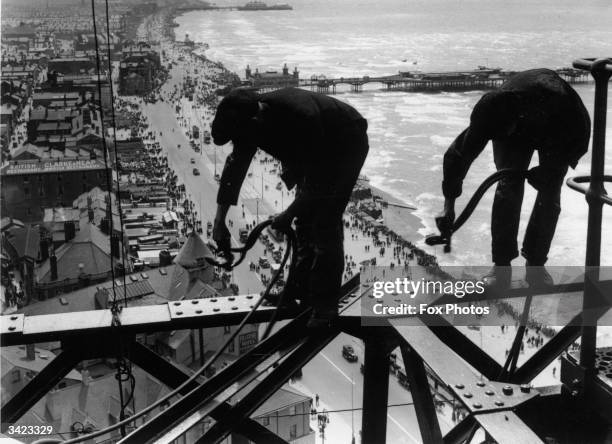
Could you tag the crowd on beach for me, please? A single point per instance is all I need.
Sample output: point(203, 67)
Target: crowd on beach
point(195, 98)
point(367, 241)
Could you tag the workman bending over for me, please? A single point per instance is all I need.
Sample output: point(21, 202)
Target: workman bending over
point(533, 110)
point(322, 144)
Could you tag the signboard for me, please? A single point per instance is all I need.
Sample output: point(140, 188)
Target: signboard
point(53, 166)
point(247, 341)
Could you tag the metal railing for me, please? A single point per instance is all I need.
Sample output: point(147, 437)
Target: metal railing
point(596, 197)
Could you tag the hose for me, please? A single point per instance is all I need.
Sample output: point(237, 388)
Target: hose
point(250, 242)
point(252, 238)
point(445, 235)
point(482, 189)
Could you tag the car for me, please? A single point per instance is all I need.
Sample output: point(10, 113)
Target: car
point(244, 234)
point(349, 354)
point(192, 160)
point(264, 262)
point(277, 255)
point(196, 172)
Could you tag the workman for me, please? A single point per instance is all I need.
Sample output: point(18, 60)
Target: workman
point(532, 110)
point(322, 144)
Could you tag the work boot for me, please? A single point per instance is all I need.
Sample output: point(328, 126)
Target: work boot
point(499, 277)
point(322, 318)
point(538, 277)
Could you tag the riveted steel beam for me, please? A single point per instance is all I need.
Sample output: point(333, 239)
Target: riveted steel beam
point(507, 428)
point(270, 384)
point(476, 392)
point(39, 386)
point(152, 318)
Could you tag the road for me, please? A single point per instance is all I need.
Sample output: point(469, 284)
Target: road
point(335, 380)
point(202, 189)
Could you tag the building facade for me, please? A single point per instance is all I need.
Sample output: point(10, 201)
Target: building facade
point(29, 186)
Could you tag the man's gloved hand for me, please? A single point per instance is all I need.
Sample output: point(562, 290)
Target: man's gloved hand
point(222, 238)
point(446, 219)
point(282, 222)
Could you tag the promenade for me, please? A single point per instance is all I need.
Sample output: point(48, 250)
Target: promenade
point(328, 374)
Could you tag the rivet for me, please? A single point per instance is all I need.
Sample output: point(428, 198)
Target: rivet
point(198, 311)
point(489, 392)
point(480, 384)
point(179, 312)
point(12, 327)
point(507, 390)
point(195, 301)
point(213, 300)
point(477, 405)
point(499, 403)
point(250, 296)
point(216, 309)
point(177, 303)
point(231, 298)
point(525, 388)
point(234, 308)
point(460, 386)
point(13, 318)
point(467, 395)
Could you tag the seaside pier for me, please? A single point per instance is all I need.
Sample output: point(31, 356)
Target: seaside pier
point(411, 81)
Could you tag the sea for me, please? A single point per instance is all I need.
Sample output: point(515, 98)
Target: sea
point(409, 132)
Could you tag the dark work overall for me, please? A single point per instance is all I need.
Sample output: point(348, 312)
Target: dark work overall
point(319, 265)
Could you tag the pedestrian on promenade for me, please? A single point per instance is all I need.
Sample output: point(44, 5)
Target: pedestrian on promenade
point(321, 144)
point(532, 110)
point(317, 400)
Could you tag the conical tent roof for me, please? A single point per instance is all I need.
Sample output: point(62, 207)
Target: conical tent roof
point(193, 253)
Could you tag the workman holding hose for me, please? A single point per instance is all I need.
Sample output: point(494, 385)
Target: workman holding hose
point(322, 144)
point(532, 110)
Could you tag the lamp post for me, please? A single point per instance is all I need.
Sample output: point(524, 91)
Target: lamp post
point(257, 210)
point(352, 409)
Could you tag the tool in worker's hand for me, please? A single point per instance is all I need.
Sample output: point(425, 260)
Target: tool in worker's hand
point(445, 236)
point(225, 250)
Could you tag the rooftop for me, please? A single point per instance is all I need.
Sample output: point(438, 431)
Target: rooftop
point(90, 249)
point(16, 356)
point(24, 240)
